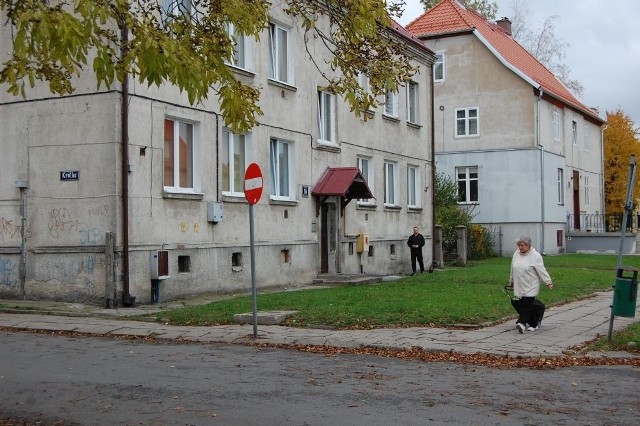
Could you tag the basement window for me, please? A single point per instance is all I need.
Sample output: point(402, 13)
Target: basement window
point(184, 263)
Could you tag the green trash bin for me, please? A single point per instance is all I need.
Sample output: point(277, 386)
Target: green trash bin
point(625, 293)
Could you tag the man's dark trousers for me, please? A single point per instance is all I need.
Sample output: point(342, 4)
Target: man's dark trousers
point(416, 254)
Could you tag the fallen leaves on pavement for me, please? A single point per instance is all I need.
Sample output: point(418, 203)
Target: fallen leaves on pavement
point(409, 354)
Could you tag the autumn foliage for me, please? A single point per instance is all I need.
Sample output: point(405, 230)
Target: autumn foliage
point(620, 142)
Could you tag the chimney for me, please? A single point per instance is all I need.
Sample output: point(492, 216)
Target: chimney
point(505, 24)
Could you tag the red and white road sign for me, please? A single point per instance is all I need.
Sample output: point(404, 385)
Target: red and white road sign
point(253, 183)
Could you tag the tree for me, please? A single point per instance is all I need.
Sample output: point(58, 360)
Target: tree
point(544, 45)
point(448, 213)
point(620, 142)
point(189, 45)
point(486, 8)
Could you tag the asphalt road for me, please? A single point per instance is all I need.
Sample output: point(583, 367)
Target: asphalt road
point(100, 381)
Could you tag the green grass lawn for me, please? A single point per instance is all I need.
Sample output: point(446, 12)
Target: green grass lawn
point(472, 294)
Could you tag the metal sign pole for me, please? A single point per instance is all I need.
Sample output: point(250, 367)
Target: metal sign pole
point(253, 274)
point(628, 207)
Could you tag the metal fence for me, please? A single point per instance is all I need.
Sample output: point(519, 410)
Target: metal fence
point(601, 223)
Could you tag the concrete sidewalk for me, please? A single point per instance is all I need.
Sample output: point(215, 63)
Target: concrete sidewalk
point(563, 328)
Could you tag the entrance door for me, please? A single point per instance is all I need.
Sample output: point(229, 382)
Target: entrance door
point(576, 199)
point(328, 238)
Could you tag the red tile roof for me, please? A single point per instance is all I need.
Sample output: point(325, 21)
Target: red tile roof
point(450, 17)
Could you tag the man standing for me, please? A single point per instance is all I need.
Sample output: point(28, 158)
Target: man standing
point(416, 242)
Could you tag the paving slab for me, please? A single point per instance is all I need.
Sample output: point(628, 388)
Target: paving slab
point(563, 328)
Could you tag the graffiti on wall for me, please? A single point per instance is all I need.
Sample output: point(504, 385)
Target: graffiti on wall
point(62, 222)
point(91, 266)
point(8, 273)
point(10, 229)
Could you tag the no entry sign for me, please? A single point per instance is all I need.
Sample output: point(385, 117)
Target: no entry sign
point(253, 183)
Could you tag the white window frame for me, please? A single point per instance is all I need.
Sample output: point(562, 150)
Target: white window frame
point(280, 54)
point(560, 187)
point(587, 191)
point(195, 162)
point(173, 6)
point(242, 50)
point(326, 118)
point(587, 141)
point(414, 186)
point(467, 180)
point(574, 132)
point(391, 184)
point(467, 119)
point(413, 115)
point(439, 67)
point(366, 167)
point(363, 81)
point(557, 135)
point(234, 173)
point(279, 190)
point(391, 104)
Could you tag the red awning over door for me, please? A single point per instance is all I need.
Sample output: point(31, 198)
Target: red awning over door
point(344, 182)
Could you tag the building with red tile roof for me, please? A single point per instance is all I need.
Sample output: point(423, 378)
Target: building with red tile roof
point(525, 152)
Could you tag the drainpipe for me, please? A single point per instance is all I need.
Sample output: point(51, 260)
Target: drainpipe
point(542, 205)
point(22, 185)
point(602, 200)
point(433, 172)
point(126, 296)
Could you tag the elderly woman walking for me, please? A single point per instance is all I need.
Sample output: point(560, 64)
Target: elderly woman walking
point(527, 271)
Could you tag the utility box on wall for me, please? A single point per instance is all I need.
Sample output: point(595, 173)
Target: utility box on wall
point(362, 243)
point(160, 264)
point(215, 212)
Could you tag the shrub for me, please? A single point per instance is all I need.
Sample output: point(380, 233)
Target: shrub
point(479, 243)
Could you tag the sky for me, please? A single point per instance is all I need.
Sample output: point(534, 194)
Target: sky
point(603, 46)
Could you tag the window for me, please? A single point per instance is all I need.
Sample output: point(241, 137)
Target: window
point(390, 183)
point(281, 172)
point(280, 61)
point(586, 138)
point(184, 263)
point(467, 184)
point(587, 191)
point(391, 104)
point(574, 133)
point(363, 81)
point(234, 161)
point(412, 102)
point(366, 168)
point(560, 186)
point(180, 166)
point(467, 122)
point(326, 117)
point(556, 125)
point(438, 68)
point(413, 186)
point(241, 50)
point(176, 7)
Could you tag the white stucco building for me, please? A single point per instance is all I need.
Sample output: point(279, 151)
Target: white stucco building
point(81, 219)
point(525, 153)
